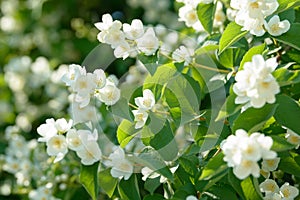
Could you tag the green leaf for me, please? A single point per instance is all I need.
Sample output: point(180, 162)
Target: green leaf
point(206, 15)
point(286, 4)
point(165, 143)
point(235, 183)
point(231, 57)
point(231, 34)
point(107, 182)
point(253, 51)
point(288, 113)
point(289, 165)
point(150, 62)
point(222, 191)
point(215, 166)
point(129, 189)
point(126, 132)
point(89, 179)
point(154, 197)
point(121, 109)
point(249, 189)
point(178, 86)
point(287, 77)
point(291, 37)
point(151, 184)
point(281, 144)
point(207, 48)
point(229, 108)
point(189, 164)
point(253, 119)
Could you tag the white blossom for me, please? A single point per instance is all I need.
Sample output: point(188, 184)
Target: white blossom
point(147, 101)
point(135, 30)
point(57, 146)
point(100, 78)
point(270, 164)
point(269, 186)
point(73, 73)
point(148, 43)
point(255, 84)
point(109, 94)
point(276, 27)
point(183, 54)
point(288, 192)
point(121, 167)
point(84, 87)
point(293, 137)
point(73, 140)
point(47, 130)
point(140, 117)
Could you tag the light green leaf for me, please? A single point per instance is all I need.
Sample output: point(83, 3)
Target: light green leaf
point(129, 189)
point(231, 57)
point(107, 182)
point(287, 77)
point(215, 166)
point(288, 113)
point(289, 165)
point(231, 34)
point(126, 132)
point(281, 144)
point(286, 4)
point(206, 15)
point(253, 119)
point(253, 51)
point(89, 179)
point(249, 189)
point(291, 37)
point(229, 107)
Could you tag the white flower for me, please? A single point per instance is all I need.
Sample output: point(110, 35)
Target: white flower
point(183, 54)
point(121, 167)
point(100, 78)
point(57, 146)
point(245, 168)
point(135, 30)
point(123, 50)
point(276, 27)
point(293, 137)
point(73, 73)
point(270, 164)
point(273, 196)
point(288, 192)
point(62, 126)
point(114, 38)
point(73, 140)
point(84, 86)
point(47, 130)
point(269, 186)
point(140, 117)
point(188, 14)
point(191, 197)
point(149, 173)
point(148, 43)
point(147, 101)
point(85, 114)
point(255, 83)
point(109, 94)
point(242, 152)
point(90, 153)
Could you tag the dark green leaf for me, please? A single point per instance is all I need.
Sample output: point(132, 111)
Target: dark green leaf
point(290, 166)
point(253, 119)
point(288, 113)
point(150, 62)
point(89, 179)
point(253, 51)
point(229, 108)
point(215, 166)
point(151, 184)
point(281, 144)
point(129, 189)
point(291, 37)
point(107, 182)
point(287, 77)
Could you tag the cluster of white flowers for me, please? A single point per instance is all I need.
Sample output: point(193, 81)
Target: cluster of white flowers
point(242, 152)
point(188, 14)
point(42, 192)
point(86, 85)
point(144, 104)
point(255, 84)
point(130, 41)
point(84, 142)
point(251, 15)
point(273, 192)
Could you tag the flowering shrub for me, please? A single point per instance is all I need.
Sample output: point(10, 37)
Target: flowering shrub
point(208, 111)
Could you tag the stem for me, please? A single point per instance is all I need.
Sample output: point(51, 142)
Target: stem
point(209, 68)
point(133, 106)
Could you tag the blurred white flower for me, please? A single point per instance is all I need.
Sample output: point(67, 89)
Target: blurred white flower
point(148, 43)
point(84, 87)
point(121, 167)
point(147, 101)
point(109, 94)
point(276, 27)
point(47, 130)
point(62, 126)
point(73, 140)
point(288, 192)
point(272, 196)
point(191, 197)
point(140, 117)
point(255, 84)
point(57, 146)
point(183, 54)
point(123, 50)
point(73, 73)
point(135, 30)
point(293, 137)
point(269, 186)
point(100, 78)
point(270, 164)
